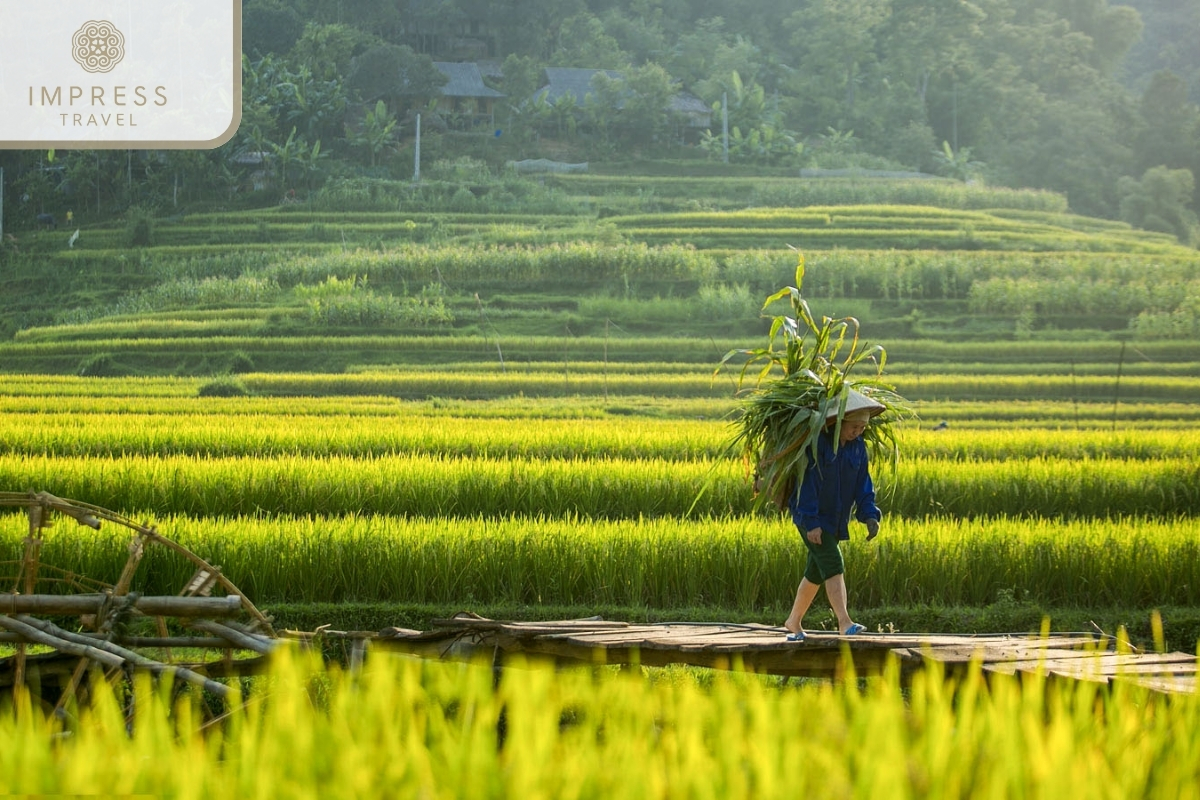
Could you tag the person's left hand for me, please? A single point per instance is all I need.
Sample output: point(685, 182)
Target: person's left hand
point(872, 528)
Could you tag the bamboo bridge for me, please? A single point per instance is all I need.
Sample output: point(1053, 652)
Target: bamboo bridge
point(763, 649)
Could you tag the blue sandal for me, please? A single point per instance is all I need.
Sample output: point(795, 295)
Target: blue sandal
point(798, 637)
point(854, 629)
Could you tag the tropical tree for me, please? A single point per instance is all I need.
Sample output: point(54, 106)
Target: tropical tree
point(390, 72)
point(562, 114)
point(522, 77)
point(269, 27)
point(276, 96)
point(294, 155)
point(924, 40)
point(756, 132)
point(600, 105)
point(327, 50)
point(691, 57)
point(638, 30)
point(1159, 202)
point(957, 164)
point(837, 47)
point(582, 42)
point(377, 131)
point(316, 108)
point(1169, 126)
point(648, 93)
point(746, 103)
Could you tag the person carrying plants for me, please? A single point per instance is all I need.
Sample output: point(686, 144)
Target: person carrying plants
point(807, 425)
point(836, 484)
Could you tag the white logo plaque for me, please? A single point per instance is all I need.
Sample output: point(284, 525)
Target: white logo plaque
point(146, 74)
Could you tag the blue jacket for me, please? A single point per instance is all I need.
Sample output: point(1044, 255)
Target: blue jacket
point(833, 486)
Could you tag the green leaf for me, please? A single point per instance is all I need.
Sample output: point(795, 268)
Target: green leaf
point(782, 417)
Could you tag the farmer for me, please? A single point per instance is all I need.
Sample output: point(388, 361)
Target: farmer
point(836, 483)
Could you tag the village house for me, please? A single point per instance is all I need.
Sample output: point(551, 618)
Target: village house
point(465, 101)
point(691, 114)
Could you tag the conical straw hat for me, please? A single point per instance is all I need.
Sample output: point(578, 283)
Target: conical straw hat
point(856, 401)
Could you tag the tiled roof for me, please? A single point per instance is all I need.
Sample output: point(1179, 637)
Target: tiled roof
point(686, 103)
point(465, 80)
point(577, 82)
point(574, 81)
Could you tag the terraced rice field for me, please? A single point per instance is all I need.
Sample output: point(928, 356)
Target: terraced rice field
point(585, 499)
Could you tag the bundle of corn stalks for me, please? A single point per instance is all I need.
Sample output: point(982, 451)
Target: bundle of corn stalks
point(803, 383)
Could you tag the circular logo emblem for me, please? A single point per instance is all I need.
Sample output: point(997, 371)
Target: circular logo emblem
point(98, 46)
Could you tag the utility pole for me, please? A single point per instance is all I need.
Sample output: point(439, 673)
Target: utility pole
point(954, 114)
point(725, 126)
point(417, 154)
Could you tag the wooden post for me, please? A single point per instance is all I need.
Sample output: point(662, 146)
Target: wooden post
point(137, 549)
point(358, 653)
point(1117, 387)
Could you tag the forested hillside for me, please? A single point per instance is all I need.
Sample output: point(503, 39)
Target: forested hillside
point(1091, 100)
point(1169, 41)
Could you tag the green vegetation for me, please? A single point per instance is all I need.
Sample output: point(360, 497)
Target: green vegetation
point(604, 488)
point(431, 728)
point(737, 564)
point(1059, 103)
point(579, 267)
point(579, 300)
point(375, 401)
point(376, 426)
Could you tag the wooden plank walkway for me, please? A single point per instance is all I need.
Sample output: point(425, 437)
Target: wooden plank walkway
point(763, 649)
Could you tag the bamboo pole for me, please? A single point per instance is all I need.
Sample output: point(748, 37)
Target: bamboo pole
point(246, 641)
point(68, 692)
point(200, 642)
point(167, 642)
point(165, 606)
point(33, 634)
point(122, 655)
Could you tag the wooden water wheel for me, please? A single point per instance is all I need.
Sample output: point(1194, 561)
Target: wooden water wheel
point(58, 629)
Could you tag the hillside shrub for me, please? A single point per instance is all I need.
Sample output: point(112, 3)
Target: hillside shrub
point(797, 192)
point(462, 200)
point(223, 387)
point(576, 264)
point(139, 226)
point(240, 362)
point(189, 292)
point(100, 365)
point(1148, 298)
point(357, 194)
point(729, 302)
point(365, 307)
point(333, 286)
point(1183, 322)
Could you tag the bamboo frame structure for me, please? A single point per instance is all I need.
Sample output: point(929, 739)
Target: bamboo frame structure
point(107, 609)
